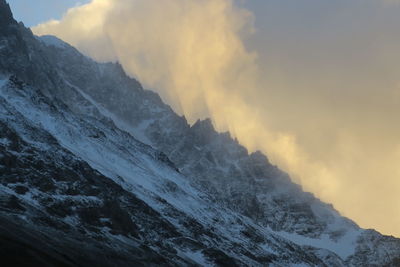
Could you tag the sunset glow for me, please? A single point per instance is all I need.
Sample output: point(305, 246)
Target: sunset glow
point(322, 100)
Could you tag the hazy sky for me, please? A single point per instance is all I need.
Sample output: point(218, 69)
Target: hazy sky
point(33, 12)
point(315, 84)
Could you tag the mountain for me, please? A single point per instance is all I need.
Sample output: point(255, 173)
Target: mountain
point(95, 170)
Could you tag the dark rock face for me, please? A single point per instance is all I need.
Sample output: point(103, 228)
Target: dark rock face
point(60, 184)
point(6, 17)
point(97, 171)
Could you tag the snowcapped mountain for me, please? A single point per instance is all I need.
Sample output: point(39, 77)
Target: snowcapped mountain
point(95, 170)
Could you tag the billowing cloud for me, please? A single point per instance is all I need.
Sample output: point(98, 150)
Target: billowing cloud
point(329, 119)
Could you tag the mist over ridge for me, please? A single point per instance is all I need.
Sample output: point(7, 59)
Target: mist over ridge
point(194, 54)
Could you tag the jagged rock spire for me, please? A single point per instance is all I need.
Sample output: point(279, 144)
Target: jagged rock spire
point(6, 16)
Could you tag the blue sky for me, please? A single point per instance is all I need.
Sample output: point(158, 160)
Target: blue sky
point(42, 10)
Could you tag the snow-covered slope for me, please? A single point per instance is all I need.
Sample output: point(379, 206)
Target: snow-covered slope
point(195, 223)
point(89, 158)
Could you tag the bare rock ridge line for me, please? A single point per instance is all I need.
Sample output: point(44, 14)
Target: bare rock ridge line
point(6, 16)
point(89, 159)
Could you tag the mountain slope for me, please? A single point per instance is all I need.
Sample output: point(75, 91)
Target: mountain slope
point(89, 158)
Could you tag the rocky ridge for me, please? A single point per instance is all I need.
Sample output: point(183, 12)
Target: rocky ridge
point(90, 159)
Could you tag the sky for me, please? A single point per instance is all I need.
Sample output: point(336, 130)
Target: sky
point(33, 12)
point(315, 84)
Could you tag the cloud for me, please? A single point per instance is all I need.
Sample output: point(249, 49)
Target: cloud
point(323, 110)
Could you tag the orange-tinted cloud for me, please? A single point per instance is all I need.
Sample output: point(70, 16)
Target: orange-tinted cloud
point(331, 122)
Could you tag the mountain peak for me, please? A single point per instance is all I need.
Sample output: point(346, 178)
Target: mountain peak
point(204, 130)
point(6, 16)
point(74, 173)
point(205, 124)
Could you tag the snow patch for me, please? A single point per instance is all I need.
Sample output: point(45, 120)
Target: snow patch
point(51, 40)
point(137, 132)
point(344, 248)
point(4, 141)
point(196, 256)
point(3, 81)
